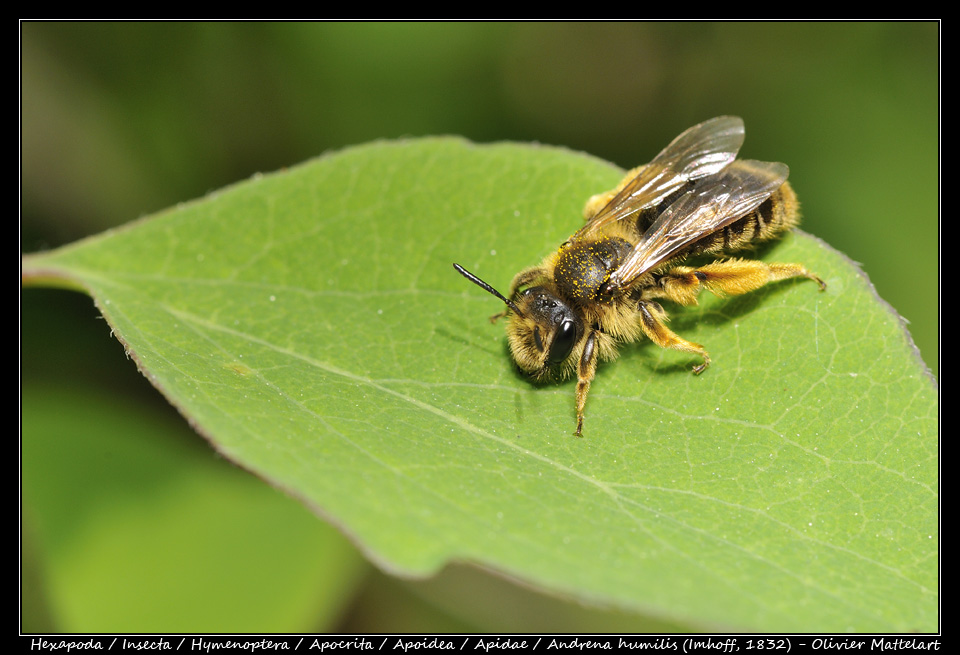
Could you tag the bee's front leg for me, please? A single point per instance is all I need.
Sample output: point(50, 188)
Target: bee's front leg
point(497, 317)
point(586, 370)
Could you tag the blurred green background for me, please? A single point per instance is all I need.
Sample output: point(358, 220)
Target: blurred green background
point(124, 531)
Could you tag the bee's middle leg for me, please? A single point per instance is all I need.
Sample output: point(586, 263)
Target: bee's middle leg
point(653, 323)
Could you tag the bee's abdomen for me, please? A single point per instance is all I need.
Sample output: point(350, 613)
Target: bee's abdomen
point(777, 213)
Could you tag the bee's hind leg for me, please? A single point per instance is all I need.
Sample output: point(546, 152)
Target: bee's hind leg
point(681, 284)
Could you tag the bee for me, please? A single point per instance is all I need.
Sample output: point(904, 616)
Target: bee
point(602, 288)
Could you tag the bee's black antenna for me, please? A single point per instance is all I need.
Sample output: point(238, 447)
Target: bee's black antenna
point(486, 287)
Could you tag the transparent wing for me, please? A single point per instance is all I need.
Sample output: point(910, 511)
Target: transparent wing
point(712, 204)
point(702, 150)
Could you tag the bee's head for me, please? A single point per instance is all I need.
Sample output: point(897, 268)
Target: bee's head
point(543, 330)
point(544, 333)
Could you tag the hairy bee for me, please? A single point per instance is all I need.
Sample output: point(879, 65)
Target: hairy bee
point(602, 286)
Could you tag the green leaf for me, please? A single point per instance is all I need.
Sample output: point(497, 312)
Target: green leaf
point(310, 325)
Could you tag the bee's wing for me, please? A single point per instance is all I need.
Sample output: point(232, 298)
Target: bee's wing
point(702, 150)
point(711, 205)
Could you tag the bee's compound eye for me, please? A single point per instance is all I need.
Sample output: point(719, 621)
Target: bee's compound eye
point(563, 342)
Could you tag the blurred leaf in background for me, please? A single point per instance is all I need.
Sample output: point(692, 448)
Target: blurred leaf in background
point(124, 119)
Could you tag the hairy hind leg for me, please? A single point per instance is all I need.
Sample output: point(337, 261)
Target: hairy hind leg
point(681, 284)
